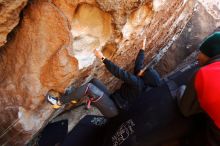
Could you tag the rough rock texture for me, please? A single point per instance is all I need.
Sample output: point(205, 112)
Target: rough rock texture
point(33, 62)
point(212, 7)
point(53, 45)
point(9, 16)
point(201, 25)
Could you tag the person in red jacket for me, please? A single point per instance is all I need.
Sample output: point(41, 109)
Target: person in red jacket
point(203, 95)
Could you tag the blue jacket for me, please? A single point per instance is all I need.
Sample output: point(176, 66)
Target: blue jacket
point(133, 85)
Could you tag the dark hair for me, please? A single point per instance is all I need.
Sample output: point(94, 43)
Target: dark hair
point(211, 45)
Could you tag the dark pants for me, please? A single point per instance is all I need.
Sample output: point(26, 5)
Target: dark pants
point(80, 92)
point(97, 94)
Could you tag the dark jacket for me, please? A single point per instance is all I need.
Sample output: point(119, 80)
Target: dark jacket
point(190, 105)
point(133, 85)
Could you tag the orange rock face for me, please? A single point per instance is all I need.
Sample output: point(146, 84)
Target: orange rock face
point(9, 16)
point(34, 61)
point(53, 46)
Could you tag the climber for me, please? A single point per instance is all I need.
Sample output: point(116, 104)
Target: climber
point(152, 120)
point(142, 79)
point(147, 111)
point(202, 95)
point(134, 84)
point(96, 92)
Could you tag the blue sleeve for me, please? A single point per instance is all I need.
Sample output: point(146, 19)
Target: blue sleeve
point(139, 62)
point(125, 76)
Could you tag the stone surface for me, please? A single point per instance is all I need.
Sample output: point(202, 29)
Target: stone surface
point(201, 25)
point(34, 61)
point(9, 16)
point(53, 45)
point(212, 7)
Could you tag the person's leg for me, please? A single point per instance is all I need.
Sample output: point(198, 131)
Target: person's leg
point(96, 96)
point(102, 101)
point(76, 94)
point(100, 85)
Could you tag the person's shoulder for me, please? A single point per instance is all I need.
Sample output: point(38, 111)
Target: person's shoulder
point(215, 66)
point(209, 72)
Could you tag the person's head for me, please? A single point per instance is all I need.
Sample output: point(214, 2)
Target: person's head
point(202, 58)
point(209, 48)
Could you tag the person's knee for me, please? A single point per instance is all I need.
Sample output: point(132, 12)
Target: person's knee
point(99, 85)
point(96, 82)
point(94, 90)
point(89, 84)
point(93, 80)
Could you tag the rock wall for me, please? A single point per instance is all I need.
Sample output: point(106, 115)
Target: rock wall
point(202, 23)
point(9, 16)
point(53, 45)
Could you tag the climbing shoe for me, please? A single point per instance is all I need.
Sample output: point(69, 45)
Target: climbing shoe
point(53, 98)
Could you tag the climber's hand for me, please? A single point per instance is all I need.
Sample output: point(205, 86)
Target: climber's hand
point(99, 54)
point(144, 43)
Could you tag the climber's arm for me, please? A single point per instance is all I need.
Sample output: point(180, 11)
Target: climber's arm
point(120, 73)
point(139, 62)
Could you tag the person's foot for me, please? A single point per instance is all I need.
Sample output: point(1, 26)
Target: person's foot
point(53, 99)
